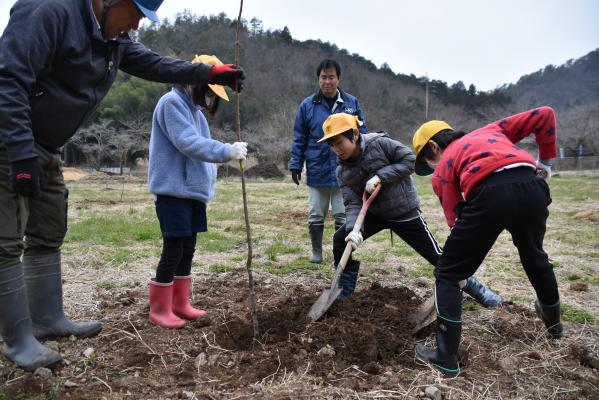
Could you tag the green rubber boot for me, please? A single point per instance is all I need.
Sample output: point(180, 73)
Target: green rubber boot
point(15, 323)
point(44, 286)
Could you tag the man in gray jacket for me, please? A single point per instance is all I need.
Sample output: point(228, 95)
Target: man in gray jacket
point(58, 60)
point(365, 162)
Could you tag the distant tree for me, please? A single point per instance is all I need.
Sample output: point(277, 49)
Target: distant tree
point(579, 126)
point(111, 142)
point(472, 91)
point(256, 27)
point(285, 35)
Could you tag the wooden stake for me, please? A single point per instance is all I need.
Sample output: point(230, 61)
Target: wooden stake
point(248, 264)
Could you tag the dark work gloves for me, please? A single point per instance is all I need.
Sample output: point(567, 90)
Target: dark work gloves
point(296, 176)
point(25, 176)
point(226, 75)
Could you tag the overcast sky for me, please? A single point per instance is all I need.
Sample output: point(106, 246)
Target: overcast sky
point(487, 43)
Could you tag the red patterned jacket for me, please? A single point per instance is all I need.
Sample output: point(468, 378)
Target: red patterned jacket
point(468, 160)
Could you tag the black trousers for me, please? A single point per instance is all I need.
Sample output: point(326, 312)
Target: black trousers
point(513, 199)
point(414, 232)
point(176, 258)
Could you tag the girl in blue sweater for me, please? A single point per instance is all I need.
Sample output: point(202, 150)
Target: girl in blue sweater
point(182, 176)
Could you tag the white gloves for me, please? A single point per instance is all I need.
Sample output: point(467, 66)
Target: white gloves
point(372, 183)
point(355, 238)
point(543, 169)
point(239, 151)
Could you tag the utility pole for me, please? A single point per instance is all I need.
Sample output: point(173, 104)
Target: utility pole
point(426, 99)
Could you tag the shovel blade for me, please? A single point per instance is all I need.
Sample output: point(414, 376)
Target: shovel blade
point(324, 302)
point(424, 315)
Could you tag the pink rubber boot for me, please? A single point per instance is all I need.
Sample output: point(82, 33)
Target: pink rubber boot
point(181, 305)
point(161, 299)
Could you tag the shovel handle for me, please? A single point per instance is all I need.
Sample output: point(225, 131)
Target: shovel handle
point(366, 202)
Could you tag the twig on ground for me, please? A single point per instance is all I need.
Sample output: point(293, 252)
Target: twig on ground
point(152, 351)
point(103, 382)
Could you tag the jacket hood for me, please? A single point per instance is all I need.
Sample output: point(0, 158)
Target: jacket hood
point(365, 140)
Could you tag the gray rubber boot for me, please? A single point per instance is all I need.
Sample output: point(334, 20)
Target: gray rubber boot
point(15, 324)
point(482, 294)
point(316, 231)
point(44, 285)
point(551, 316)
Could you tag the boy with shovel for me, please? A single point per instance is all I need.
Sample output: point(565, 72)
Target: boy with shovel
point(365, 162)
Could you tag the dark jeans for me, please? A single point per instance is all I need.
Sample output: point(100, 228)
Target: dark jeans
point(176, 258)
point(515, 200)
point(414, 232)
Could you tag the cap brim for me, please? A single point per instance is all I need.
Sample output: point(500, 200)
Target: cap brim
point(421, 168)
point(151, 15)
point(219, 91)
point(330, 135)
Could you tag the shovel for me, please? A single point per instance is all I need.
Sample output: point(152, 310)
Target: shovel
point(427, 312)
point(328, 296)
point(424, 315)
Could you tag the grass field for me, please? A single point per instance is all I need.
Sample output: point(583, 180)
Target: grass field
point(114, 243)
point(116, 228)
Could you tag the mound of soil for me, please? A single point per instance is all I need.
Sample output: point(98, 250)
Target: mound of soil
point(102, 177)
point(73, 174)
point(363, 344)
point(97, 176)
point(265, 170)
point(588, 215)
point(224, 171)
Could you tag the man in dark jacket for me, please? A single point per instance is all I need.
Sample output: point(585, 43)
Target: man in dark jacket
point(321, 162)
point(58, 60)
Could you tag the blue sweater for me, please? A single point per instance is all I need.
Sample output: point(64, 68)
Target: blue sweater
point(182, 154)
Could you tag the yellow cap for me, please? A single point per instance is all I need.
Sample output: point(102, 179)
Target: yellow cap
point(339, 123)
point(421, 138)
point(212, 60)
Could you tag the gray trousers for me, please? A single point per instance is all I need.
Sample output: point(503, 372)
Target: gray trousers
point(32, 225)
point(319, 200)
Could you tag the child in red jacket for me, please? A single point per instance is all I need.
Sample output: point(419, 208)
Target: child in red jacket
point(487, 184)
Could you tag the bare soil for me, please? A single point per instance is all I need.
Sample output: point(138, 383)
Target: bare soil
point(362, 347)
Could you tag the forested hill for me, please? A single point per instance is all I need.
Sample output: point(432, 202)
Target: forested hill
point(281, 72)
point(573, 84)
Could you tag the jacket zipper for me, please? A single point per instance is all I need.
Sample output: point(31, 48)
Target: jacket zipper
point(109, 66)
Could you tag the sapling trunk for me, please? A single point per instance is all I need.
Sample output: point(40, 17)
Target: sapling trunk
point(248, 231)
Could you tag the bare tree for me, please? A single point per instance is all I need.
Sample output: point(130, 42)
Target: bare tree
point(110, 142)
point(579, 126)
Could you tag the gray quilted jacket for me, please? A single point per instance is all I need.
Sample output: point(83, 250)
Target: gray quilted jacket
point(393, 163)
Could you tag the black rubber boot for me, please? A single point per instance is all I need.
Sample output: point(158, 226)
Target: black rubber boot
point(349, 279)
point(316, 231)
point(44, 285)
point(338, 225)
point(445, 356)
point(15, 324)
point(551, 316)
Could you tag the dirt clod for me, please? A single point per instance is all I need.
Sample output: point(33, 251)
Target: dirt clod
point(579, 286)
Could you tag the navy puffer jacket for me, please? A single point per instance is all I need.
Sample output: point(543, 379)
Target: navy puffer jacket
point(321, 161)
